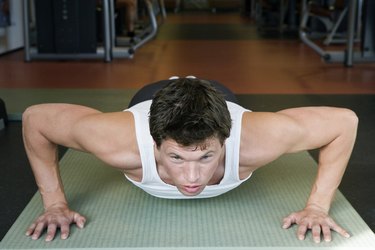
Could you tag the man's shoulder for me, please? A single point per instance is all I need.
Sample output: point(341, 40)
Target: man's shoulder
point(111, 137)
point(261, 139)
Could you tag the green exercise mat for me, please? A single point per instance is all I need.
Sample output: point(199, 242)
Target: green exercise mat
point(121, 216)
point(106, 100)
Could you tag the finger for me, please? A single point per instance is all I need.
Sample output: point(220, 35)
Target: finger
point(38, 230)
point(79, 220)
point(301, 232)
point(51, 232)
point(288, 221)
point(30, 230)
point(65, 228)
point(339, 230)
point(316, 230)
point(326, 233)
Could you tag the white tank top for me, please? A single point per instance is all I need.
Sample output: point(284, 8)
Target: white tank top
point(151, 181)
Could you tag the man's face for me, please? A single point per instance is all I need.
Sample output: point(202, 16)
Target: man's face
point(190, 168)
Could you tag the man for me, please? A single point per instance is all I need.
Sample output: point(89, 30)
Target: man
point(130, 15)
point(190, 141)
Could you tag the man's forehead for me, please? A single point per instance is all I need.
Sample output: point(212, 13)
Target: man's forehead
point(202, 146)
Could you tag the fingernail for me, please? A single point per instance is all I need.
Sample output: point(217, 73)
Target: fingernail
point(347, 235)
point(317, 240)
point(301, 237)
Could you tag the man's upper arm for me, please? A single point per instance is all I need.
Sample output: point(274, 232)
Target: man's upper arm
point(266, 136)
point(56, 122)
point(320, 125)
point(109, 136)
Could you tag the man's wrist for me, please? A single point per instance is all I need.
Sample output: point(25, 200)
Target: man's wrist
point(53, 199)
point(320, 198)
point(316, 206)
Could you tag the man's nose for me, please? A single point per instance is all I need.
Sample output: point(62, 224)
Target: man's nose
point(192, 174)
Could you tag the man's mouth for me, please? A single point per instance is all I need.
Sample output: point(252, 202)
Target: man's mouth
point(191, 189)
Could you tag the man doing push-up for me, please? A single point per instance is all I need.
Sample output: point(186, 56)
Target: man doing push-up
point(188, 138)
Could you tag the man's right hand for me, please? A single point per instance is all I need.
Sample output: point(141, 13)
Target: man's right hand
point(54, 217)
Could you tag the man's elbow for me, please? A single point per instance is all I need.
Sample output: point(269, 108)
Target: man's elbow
point(349, 120)
point(352, 118)
point(31, 117)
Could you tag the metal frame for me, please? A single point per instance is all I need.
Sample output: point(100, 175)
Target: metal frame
point(153, 27)
point(102, 52)
point(348, 56)
point(125, 50)
point(109, 49)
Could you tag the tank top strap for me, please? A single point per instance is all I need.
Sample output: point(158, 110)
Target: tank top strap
point(144, 140)
point(232, 144)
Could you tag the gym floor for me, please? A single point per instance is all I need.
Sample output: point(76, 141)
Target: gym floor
point(267, 72)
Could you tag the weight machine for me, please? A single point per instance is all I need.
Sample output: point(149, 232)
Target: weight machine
point(66, 18)
point(360, 21)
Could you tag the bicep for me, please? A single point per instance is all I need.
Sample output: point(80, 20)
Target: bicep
point(57, 123)
point(317, 126)
point(109, 136)
point(265, 136)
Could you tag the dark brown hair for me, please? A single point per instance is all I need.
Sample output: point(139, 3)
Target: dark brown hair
point(189, 111)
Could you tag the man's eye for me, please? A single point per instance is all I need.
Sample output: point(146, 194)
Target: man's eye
point(205, 157)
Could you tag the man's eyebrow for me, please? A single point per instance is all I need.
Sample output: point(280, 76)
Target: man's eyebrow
point(174, 154)
point(207, 153)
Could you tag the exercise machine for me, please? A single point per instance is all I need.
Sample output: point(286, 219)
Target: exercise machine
point(331, 15)
point(145, 34)
point(360, 29)
point(61, 22)
point(62, 40)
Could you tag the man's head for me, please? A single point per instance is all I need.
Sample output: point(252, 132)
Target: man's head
point(189, 122)
point(189, 111)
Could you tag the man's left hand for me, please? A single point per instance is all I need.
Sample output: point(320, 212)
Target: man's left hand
point(315, 219)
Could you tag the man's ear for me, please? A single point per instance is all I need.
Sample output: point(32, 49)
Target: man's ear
point(156, 146)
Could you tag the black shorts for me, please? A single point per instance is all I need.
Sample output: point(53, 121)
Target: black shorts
point(148, 92)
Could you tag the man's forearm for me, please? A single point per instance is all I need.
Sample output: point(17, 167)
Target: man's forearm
point(333, 160)
point(48, 180)
point(51, 190)
point(43, 158)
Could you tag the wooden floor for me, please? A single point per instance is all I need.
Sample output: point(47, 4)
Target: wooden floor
point(245, 65)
